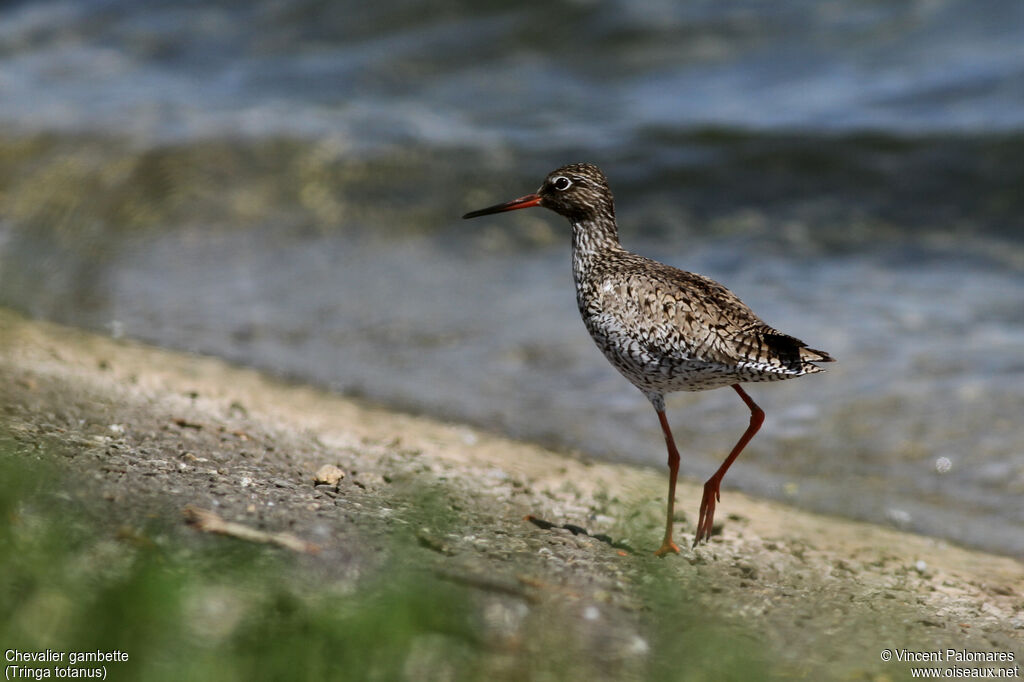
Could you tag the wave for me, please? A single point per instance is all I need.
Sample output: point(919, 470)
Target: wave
point(832, 191)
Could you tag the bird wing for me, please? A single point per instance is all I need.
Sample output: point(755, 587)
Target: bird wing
point(689, 317)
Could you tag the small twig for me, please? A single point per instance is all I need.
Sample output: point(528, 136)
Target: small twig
point(488, 584)
point(426, 540)
point(209, 522)
point(539, 584)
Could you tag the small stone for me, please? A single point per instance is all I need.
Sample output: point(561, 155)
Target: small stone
point(898, 517)
point(328, 474)
point(638, 646)
point(747, 570)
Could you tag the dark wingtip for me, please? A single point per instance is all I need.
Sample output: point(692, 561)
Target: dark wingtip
point(822, 355)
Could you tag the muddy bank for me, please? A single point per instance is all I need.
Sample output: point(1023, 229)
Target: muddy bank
point(150, 432)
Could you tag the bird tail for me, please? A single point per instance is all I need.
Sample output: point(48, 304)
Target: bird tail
point(792, 356)
point(815, 355)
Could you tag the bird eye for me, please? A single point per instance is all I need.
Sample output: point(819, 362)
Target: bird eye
point(561, 183)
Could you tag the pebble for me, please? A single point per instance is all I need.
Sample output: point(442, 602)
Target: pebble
point(638, 646)
point(747, 569)
point(328, 474)
point(899, 517)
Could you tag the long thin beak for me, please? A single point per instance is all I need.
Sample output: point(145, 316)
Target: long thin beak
point(522, 202)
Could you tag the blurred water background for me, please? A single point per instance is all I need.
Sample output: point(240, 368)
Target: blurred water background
point(279, 183)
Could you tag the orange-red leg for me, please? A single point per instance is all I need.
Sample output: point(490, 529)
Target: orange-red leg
point(712, 492)
point(673, 471)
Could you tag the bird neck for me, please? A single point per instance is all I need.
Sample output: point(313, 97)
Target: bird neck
point(593, 240)
point(594, 235)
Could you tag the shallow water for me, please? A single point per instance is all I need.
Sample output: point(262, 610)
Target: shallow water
point(279, 184)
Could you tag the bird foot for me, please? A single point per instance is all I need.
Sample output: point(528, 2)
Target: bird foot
point(667, 547)
point(706, 518)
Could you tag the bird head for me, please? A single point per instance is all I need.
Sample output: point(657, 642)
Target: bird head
point(578, 191)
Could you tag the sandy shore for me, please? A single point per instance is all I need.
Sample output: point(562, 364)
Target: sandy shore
point(152, 432)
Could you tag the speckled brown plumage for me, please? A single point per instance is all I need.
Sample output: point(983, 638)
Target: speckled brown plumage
point(664, 329)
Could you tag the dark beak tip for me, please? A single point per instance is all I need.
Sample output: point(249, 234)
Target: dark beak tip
point(522, 202)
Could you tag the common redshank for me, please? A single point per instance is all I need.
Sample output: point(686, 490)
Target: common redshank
point(664, 329)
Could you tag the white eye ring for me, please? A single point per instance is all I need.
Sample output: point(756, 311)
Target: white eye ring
point(561, 183)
